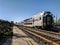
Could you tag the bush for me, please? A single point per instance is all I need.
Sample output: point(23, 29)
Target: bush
point(5, 28)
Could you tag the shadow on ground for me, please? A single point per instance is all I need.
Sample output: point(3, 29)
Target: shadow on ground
point(55, 29)
point(20, 36)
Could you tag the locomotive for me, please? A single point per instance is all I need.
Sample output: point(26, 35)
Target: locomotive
point(42, 20)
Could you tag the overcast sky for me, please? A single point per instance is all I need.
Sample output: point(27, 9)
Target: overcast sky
point(18, 10)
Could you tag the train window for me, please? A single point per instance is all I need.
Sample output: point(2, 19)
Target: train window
point(35, 19)
point(40, 18)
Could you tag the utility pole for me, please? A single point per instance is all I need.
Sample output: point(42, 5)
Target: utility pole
point(56, 20)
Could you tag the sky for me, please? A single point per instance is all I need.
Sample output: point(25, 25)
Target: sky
point(18, 10)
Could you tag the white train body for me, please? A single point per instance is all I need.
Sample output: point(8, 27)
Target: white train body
point(42, 19)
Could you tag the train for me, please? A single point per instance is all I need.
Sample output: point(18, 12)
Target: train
point(44, 19)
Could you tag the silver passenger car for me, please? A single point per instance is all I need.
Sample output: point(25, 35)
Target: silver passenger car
point(43, 19)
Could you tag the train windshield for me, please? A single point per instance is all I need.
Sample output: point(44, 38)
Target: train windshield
point(47, 20)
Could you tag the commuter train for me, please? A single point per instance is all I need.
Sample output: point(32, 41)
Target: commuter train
point(42, 20)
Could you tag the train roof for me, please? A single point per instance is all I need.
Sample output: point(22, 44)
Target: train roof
point(40, 14)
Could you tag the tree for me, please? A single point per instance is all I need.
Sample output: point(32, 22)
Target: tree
point(58, 22)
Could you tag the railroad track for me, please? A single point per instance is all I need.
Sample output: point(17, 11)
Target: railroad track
point(54, 38)
point(47, 39)
point(55, 34)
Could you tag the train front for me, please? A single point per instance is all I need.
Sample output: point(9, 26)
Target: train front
point(47, 20)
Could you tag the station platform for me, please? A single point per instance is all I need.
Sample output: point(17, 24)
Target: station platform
point(20, 38)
